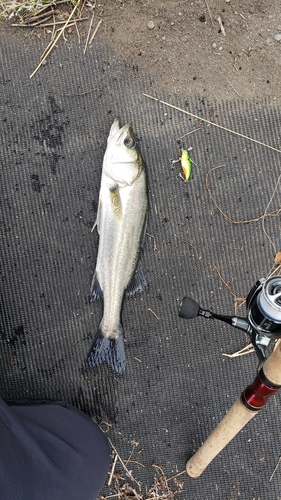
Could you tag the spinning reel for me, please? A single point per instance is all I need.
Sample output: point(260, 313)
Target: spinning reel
point(263, 322)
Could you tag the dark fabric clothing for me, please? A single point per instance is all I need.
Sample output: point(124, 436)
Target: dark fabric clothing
point(50, 451)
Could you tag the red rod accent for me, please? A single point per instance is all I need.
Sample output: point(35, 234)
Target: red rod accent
point(257, 394)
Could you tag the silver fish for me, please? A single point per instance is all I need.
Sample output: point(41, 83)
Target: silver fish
point(121, 224)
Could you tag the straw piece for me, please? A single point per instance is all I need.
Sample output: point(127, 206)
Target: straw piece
point(56, 39)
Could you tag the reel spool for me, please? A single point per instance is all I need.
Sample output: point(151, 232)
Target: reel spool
point(264, 307)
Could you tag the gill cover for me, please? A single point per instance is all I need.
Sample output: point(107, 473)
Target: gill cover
point(122, 160)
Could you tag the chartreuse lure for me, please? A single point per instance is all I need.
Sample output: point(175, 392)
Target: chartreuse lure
point(186, 164)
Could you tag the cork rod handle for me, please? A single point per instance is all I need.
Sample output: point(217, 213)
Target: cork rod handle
point(234, 420)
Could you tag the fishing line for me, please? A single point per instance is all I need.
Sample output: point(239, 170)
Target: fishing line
point(263, 228)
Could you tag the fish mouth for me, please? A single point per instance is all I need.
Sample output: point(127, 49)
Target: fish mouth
point(124, 134)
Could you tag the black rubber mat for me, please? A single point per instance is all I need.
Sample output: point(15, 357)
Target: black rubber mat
point(177, 385)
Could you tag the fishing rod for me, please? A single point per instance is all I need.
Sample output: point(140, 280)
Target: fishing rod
point(262, 324)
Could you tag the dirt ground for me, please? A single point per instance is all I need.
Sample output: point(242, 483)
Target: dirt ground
point(187, 51)
point(215, 48)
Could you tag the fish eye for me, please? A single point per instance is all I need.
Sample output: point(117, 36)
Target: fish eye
point(129, 142)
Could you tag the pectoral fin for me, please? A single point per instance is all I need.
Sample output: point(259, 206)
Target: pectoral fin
point(116, 203)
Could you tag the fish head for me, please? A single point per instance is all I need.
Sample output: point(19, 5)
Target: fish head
point(122, 160)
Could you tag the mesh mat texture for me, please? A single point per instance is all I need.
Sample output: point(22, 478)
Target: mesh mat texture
point(177, 385)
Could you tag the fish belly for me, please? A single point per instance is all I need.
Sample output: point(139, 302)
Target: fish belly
point(119, 248)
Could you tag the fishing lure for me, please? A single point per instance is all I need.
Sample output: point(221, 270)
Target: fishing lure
point(186, 164)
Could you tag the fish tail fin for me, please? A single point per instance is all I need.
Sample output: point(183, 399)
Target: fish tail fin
point(112, 351)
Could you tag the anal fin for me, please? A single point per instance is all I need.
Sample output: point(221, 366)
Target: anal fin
point(96, 290)
point(138, 283)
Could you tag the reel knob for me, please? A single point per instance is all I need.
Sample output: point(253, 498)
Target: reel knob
point(188, 309)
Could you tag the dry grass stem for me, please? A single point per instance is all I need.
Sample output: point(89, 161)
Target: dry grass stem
point(191, 245)
point(151, 236)
point(221, 26)
point(89, 31)
point(136, 462)
point(95, 31)
point(77, 30)
point(137, 359)
point(129, 459)
point(188, 133)
point(238, 303)
point(112, 470)
point(54, 23)
point(234, 88)
point(209, 12)
point(276, 467)
point(106, 426)
point(248, 349)
point(153, 313)
point(277, 271)
point(212, 123)
point(33, 13)
point(268, 205)
point(177, 475)
point(54, 33)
